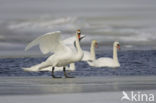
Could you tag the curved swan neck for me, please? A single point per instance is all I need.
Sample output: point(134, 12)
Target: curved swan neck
point(79, 50)
point(115, 55)
point(92, 51)
point(78, 44)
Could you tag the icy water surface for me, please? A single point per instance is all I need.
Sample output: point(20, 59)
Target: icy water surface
point(85, 90)
point(133, 63)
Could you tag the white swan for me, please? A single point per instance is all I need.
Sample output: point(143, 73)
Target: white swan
point(103, 61)
point(69, 42)
point(63, 54)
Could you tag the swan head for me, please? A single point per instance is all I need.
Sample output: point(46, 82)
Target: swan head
point(117, 45)
point(78, 33)
point(79, 36)
point(94, 42)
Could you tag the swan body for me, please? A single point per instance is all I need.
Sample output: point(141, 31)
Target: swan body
point(103, 61)
point(35, 68)
point(62, 53)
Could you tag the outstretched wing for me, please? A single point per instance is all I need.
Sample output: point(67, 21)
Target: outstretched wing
point(71, 42)
point(49, 42)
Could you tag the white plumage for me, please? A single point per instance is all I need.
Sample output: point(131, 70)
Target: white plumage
point(71, 67)
point(63, 53)
point(102, 61)
point(49, 42)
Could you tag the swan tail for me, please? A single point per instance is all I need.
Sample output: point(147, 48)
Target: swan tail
point(44, 66)
point(32, 69)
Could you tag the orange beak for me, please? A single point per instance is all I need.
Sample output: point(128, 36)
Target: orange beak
point(79, 35)
point(118, 46)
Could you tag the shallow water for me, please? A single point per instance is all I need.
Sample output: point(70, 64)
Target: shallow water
point(133, 63)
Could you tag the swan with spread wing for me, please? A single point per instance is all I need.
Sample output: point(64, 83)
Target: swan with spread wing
point(63, 54)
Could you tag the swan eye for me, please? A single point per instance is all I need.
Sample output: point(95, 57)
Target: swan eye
point(118, 46)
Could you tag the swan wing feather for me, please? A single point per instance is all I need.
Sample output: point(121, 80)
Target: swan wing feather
point(49, 42)
point(70, 42)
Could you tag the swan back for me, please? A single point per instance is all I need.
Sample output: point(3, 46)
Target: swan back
point(103, 62)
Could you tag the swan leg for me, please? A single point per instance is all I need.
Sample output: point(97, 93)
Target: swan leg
point(52, 73)
point(65, 73)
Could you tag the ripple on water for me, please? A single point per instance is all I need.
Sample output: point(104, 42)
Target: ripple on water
point(138, 62)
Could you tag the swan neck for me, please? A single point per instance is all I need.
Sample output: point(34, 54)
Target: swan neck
point(78, 45)
point(79, 50)
point(115, 55)
point(92, 51)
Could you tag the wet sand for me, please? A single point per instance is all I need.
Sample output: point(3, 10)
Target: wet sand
point(80, 89)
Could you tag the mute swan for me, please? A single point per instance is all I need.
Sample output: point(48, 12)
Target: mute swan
point(63, 54)
point(69, 42)
point(103, 61)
